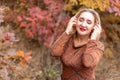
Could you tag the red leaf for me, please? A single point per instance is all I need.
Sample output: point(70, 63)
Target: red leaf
point(19, 18)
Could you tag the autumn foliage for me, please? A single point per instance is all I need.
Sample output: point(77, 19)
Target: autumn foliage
point(39, 19)
point(21, 58)
point(38, 22)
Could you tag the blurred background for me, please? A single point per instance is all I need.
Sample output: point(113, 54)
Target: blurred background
point(28, 27)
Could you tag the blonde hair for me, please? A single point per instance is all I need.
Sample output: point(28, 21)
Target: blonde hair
point(95, 14)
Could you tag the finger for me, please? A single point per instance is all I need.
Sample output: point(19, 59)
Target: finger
point(72, 19)
point(97, 30)
point(98, 27)
point(77, 14)
point(74, 23)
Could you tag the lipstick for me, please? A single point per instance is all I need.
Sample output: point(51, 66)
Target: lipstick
point(83, 29)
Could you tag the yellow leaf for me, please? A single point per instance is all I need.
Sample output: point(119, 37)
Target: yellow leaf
point(26, 79)
point(108, 53)
point(70, 4)
point(20, 53)
point(73, 2)
point(101, 4)
point(21, 57)
point(25, 59)
point(68, 7)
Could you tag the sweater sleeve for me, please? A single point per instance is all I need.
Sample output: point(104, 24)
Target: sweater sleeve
point(58, 47)
point(93, 53)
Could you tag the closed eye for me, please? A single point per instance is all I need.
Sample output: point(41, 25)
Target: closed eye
point(81, 19)
point(89, 21)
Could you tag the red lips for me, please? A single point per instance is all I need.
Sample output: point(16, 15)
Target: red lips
point(83, 29)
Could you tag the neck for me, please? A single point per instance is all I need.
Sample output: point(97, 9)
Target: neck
point(82, 38)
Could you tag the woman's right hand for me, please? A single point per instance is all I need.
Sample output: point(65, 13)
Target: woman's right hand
point(71, 27)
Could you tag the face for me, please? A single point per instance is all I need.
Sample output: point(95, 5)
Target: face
point(85, 23)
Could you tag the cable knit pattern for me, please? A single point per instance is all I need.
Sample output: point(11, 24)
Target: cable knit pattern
point(78, 63)
point(93, 53)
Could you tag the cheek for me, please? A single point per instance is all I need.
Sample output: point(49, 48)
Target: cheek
point(77, 28)
point(78, 25)
point(78, 22)
point(91, 27)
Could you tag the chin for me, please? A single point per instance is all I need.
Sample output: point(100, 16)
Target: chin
point(83, 33)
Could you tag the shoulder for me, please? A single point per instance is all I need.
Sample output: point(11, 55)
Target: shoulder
point(97, 43)
point(100, 45)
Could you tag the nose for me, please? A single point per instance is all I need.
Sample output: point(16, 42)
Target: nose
point(84, 24)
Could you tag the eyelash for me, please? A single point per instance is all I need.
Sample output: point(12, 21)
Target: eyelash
point(89, 22)
point(81, 19)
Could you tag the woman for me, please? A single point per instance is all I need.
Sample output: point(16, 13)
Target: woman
point(79, 47)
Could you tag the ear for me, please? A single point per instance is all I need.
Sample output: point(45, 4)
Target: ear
point(97, 23)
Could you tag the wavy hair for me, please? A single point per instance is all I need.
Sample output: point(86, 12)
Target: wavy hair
point(95, 14)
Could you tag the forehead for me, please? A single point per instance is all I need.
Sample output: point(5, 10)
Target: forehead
point(87, 15)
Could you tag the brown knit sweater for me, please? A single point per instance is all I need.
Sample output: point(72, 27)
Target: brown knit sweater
point(78, 63)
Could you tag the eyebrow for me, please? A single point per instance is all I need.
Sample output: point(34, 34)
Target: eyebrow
point(81, 18)
point(89, 20)
point(84, 18)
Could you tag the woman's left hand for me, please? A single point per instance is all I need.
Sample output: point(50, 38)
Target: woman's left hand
point(96, 32)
